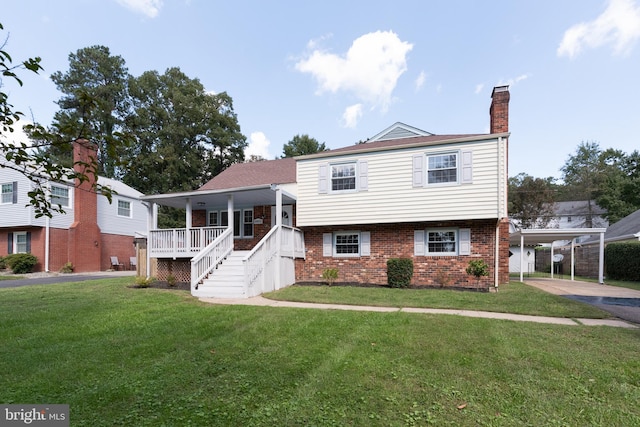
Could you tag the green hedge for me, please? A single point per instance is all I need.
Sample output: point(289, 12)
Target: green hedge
point(622, 261)
point(21, 263)
point(399, 272)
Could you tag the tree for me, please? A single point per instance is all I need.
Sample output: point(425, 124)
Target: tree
point(93, 107)
point(531, 200)
point(620, 194)
point(301, 145)
point(183, 135)
point(28, 160)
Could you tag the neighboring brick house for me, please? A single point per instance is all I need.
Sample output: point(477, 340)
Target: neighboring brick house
point(88, 234)
point(440, 200)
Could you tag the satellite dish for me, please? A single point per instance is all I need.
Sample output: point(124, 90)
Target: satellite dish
point(558, 258)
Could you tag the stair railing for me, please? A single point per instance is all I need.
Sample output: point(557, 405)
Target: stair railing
point(209, 257)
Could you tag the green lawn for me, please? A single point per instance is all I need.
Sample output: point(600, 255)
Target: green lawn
point(515, 297)
point(148, 357)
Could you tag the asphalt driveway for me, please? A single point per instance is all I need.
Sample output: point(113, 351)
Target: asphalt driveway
point(621, 302)
point(53, 278)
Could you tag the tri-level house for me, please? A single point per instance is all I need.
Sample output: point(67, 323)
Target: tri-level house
point(440, 200)
point(87, 235)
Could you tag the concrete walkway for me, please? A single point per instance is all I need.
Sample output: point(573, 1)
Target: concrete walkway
point(264, 302)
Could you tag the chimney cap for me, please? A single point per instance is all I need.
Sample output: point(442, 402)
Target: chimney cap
point(504, 88)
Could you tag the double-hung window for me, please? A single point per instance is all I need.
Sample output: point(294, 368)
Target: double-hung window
point(7, 193)
point(20, 243)
point(124, 208)
point(242, 222)
point(346, 244)
point(343, 177)
point(60, 196)
point(441, 242)
point(442, 168)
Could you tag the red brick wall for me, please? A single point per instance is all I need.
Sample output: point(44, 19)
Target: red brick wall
point(199, 218)
point(116, 245)
point(396, 241)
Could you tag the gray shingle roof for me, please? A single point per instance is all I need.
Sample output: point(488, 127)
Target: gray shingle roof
point(623, 229)
point(280, 171)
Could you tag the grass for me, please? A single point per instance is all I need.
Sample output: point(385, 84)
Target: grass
point(11, 277)
point(148, 357)
point(514, 298)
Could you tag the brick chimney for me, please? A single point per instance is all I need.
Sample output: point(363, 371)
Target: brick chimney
point(84, 233)
point(499, 110)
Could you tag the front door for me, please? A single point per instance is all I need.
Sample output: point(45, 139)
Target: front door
point(287, 215)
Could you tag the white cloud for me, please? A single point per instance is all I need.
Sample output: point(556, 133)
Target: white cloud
point(513, 81)
point(150, 8)
point(369, 70)
point(351, 116)
point(479, 88)
point(258, 146)
point(420, 80)
point(618, 25)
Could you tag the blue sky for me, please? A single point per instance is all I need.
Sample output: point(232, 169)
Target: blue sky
point(342, 71)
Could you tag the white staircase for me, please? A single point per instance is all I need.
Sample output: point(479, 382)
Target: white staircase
point(227, 281)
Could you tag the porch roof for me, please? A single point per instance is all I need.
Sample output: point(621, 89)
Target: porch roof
point(534, 236)
point(247, 196)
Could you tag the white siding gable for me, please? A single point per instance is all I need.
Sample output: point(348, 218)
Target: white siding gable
point(111, 223)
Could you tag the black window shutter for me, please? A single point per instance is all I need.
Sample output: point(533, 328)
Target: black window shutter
point(10, 243)
point(15, 192)
point(28, 242)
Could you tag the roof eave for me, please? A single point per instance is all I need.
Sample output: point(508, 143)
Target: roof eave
point(324, 154)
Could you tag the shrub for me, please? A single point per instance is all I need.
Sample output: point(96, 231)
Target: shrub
point(477, 268)
point(67, 268)
point(330, 275)
point(622, 261)
point(399, 272)
point(21, 263)
point(144, 282)
point(3, 264)
point(171, 280)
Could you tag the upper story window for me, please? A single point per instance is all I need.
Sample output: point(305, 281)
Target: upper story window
point(124, 208)
point(7, 193)
point(343, 177)
point(442, 168)
point(60, 196)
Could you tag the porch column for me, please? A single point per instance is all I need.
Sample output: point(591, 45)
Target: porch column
point(278, 234)
point(152, 224)
point(573, 261)
point(521, 256)
point(230, 212)
point(552, 260)
point(601, 260)
point(188, 223)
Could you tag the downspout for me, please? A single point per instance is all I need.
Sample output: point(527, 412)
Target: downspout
point(496, 279)
point(46, 243)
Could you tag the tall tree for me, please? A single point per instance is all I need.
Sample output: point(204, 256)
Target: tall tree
point(531, 200)
point(620, 194)
point(27, 159)
point(301, 145)
point(93, 106)
point(183, 135)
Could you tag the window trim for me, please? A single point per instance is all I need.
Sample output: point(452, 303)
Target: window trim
point(16, 234)
point(439, 154)
point(62, 187)
point(334, 245)
point(130, 209)
point(12, 199)
point(456, 242)
point(355, 177)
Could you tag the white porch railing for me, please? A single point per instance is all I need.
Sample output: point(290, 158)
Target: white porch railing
point(261, 264)
point(207, 260)
point(180, 242)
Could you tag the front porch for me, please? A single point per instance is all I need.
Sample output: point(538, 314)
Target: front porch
point(237, 243)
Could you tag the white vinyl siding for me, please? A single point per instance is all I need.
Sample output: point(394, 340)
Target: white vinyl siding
point(112, 221)
point(394, 196)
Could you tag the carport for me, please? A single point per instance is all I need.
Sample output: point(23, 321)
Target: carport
point(538, 236)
